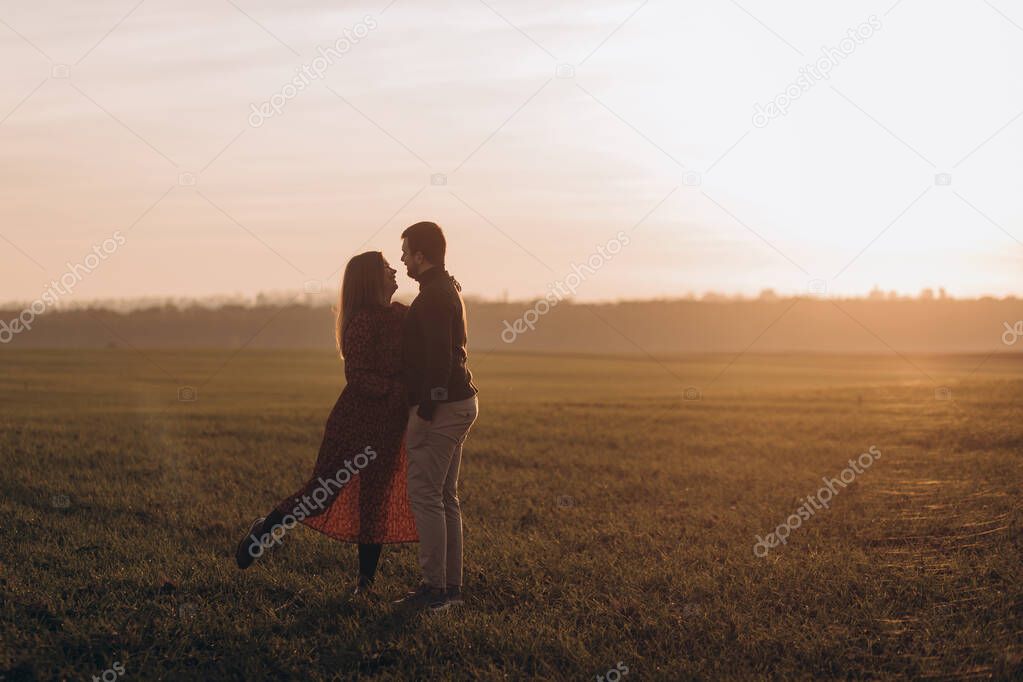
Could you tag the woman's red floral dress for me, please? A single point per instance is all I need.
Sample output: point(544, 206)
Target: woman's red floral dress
point(372, 411)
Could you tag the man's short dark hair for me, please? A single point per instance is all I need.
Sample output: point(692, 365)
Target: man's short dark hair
point(428, 238)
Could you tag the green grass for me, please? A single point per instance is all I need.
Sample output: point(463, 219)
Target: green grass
point(607, 520)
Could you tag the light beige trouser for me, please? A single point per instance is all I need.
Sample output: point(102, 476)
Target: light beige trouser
point(434, 455)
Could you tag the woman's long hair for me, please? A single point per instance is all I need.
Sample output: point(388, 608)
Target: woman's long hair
point(361, 287)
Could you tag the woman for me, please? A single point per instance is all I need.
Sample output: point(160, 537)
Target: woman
point(357, 492)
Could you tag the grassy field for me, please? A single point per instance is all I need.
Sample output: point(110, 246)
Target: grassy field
point(610, 522)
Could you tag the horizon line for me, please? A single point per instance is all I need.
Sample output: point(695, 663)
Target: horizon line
point(315, 299)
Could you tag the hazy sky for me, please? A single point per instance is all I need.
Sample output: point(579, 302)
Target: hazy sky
point(108, 107)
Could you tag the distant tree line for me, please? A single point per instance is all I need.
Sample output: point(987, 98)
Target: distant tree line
point(878, 323)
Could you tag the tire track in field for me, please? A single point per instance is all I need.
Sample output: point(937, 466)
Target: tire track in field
point(935, 526)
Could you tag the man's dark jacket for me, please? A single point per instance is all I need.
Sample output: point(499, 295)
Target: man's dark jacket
point(433, 344)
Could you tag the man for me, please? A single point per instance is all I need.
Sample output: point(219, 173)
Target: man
point(442, 408)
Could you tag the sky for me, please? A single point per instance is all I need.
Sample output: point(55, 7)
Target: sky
point(728, 146)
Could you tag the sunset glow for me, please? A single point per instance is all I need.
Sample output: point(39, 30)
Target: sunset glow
point(531, 132)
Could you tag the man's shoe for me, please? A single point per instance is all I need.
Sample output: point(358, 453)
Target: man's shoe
point(454, 595)
point(364, 588)
point(424, 597)
point(245, 554)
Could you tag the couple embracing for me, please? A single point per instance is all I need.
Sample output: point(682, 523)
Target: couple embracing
point(387, 470)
